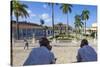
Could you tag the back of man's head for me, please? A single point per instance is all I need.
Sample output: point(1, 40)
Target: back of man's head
point(84, 42)
point(44, 42)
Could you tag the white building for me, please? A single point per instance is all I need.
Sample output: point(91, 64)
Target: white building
point(92, 29)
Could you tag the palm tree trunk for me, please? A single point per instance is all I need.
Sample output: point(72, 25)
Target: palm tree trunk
point(67, 26)
point(65, 30)
point(17, 28)
point(53, 19)
point(85, 26)
point(76, 33)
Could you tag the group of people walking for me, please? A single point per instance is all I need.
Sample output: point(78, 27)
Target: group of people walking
point(44, 55)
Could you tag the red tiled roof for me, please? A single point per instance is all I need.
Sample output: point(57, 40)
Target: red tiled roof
point(27, 23)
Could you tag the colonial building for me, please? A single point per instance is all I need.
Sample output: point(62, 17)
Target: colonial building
point(29, 30)
point(61, 28)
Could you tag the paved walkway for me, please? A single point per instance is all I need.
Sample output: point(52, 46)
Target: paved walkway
point(64, 52)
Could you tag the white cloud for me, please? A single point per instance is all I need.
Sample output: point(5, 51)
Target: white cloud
point(48, 20)
point(29, 11)
point(45, 16)
point(33, 15)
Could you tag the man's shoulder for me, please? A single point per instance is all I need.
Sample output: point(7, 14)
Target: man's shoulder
point(85, 48)
point(40, 49)
point(80, 49)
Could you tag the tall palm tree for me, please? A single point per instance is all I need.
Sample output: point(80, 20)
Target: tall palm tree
point(66, 8)
point(78, 24)
point(85, 17)
point(19, 10)
point(52, 8)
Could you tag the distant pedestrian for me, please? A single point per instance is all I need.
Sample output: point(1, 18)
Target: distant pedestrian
point(86, 53)
point(26, 44)
point(41, 55)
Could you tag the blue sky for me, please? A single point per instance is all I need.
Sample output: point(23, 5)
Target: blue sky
point(38, 10)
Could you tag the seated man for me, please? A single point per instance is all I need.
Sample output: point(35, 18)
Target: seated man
point(41, 55)
point(86, 53)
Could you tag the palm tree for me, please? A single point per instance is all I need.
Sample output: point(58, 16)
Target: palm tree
point(66, 8)
point(85, 17)
point(52, 8)
point(19, 10)
point(78, 24)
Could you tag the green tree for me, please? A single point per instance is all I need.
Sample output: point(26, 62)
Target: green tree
point(66, 8)
point(19, 10)
point(85, 17)
point(52, 8)
point(78, 24)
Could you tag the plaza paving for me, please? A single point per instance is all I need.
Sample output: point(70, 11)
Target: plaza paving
point(64, 52)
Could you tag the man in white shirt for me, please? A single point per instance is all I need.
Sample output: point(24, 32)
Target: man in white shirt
point(41, 55)
point(86, 53)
